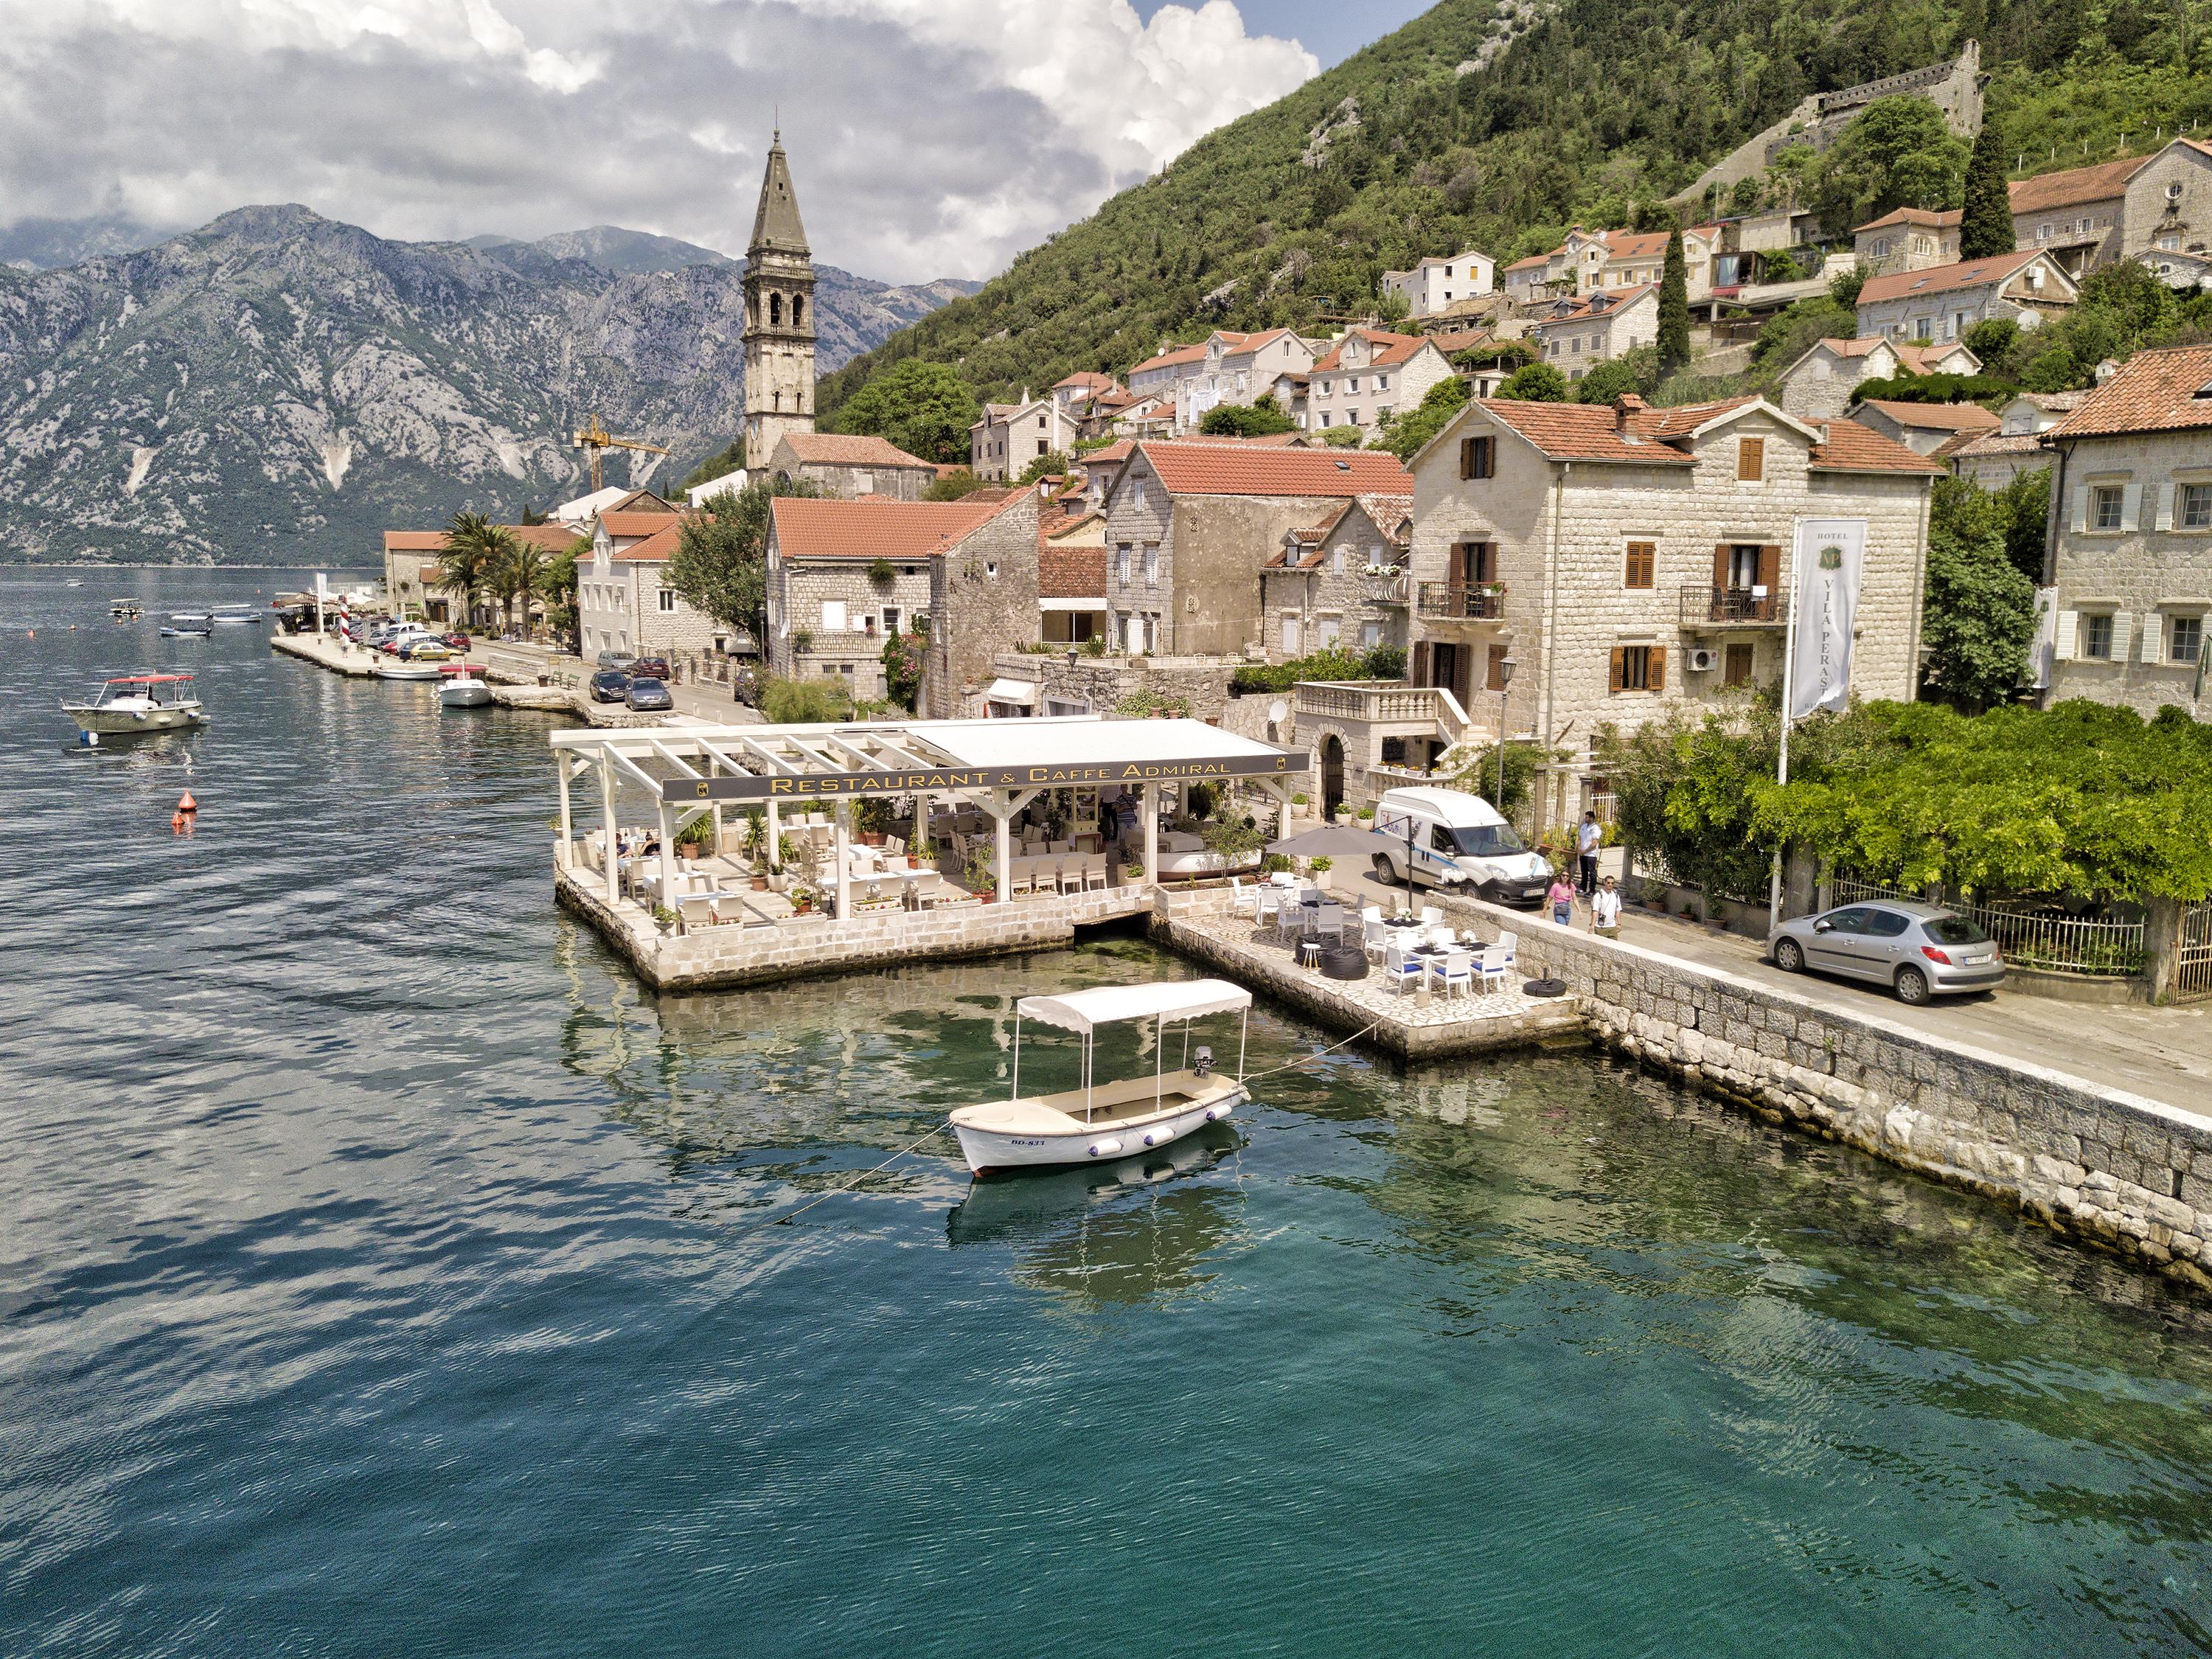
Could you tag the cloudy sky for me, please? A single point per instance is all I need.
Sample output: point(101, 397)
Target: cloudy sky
point(929, 138)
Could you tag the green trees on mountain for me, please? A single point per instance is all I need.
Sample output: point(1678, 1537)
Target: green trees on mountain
point(1895, 153)
point(924, 408)
point(1986, 228)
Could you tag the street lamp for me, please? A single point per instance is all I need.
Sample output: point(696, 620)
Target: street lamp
point(1505, 667)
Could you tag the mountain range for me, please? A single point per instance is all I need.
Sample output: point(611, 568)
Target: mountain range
point(278, 386)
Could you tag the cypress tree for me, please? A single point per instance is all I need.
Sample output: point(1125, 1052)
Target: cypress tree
point(1985, 228)
point(1673, 340)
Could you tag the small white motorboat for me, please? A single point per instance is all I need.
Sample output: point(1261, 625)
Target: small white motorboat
point(464, 686)
point(187, 625)
point(125, 609)
point(73, 581)
point(400, 668)
point(1098, 1121)
point(133, 703)
point(235, 615)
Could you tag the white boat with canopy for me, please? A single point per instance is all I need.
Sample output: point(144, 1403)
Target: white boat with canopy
point(133, 703)
point(1098, 1121)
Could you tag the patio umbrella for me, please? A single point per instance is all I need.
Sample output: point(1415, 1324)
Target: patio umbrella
point(1332, 841)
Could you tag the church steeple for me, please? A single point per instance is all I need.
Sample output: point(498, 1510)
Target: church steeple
point(778, 316)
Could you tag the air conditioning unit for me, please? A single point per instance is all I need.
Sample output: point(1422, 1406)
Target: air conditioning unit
point(1704, 661)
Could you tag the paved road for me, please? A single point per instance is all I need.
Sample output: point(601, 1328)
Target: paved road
point(2164, 1054)
point(702, 701)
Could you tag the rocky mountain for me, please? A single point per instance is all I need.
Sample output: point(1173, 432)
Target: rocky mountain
point(278, 386)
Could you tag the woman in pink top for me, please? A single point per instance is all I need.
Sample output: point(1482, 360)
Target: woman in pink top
point(1562, 896)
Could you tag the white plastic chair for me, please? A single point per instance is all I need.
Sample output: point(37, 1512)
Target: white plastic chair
point(1495, 961)
point(1374, 938)
point(697, 912)
point(1403, 970)
point(1454, 972)
point(1431, 915)
point(1267, 904)
point(1506, 941)
point(1330, 919)
point(1290, 917)
point(1095, 877)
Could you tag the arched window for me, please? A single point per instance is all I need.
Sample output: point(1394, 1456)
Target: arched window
point(798, 310)
point(775, 311)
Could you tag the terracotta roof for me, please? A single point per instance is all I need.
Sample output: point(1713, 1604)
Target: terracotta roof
point(1599, 304)
point(1592, 432)
point(1861, 347)
point(1390, 513)
point(1936, 417)
point(654, 548)
point(1847, 446)
point(821, 528)
point(2075, 186)
point(1531, 263)
point(1987, 443)
point(2054, 403)
point(1460, 339)
point(1922, 360)
point(1390, 349)
point(1620, 246)
point(414, 541)
point(1071, 570)
point(1117, 451)
point(619, 523)
point(549, 538)
point(2153, 392)
point(1200, 468)
point(1944, 279)
point(1088, 380)
point(846, 449)
point(1912, 216)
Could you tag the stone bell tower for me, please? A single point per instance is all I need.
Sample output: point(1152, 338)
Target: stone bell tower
point(778, 316)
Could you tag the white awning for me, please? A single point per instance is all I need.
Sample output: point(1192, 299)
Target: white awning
point(1085, 1011)
point(1018, 691)
point(1098, 604)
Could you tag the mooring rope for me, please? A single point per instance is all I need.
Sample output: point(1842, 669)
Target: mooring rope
point(823, 1198)
point(1304, 1060)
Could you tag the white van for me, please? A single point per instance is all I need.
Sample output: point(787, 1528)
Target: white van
point(1458, 840)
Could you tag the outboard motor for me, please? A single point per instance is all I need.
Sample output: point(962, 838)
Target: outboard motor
point(1202, 1062)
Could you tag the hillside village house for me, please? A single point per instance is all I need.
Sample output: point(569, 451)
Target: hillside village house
point(1342, 581)
point(1225, 368)
point(623, 598)
point(1010, 436)
point(1633, 560)
point(1189, 525)
point(1611, 261)
point(1943, 302)
point(852, 465)
point(1907, 239)
point(1818, 386)
point(1435, 283)
point(2169, 205)
point(1577, 333)
point(1071, 575)
point(1994, 458)
point(1367, 375)
point(2075, 215)
point(413, 576)
point(1924, 429)
point(2131, 562)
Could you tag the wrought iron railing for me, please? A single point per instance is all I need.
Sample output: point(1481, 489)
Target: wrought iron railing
point(1732, 607)
point(1462, 601)
point(1386, 587)
point(2031, 936)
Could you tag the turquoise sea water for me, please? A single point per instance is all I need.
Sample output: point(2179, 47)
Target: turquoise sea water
point(382, 1272)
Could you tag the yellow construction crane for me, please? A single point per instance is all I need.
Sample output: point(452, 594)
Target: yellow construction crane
point(596, 438)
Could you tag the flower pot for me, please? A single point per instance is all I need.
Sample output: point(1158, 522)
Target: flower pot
point(760, 884)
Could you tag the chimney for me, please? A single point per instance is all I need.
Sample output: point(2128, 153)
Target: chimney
point(1625, 406)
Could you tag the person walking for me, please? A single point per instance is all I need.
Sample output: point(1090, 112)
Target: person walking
point(1605, 909)
point(1588, 838)
point(1562, 898)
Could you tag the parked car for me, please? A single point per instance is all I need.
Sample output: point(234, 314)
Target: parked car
point(610, 685)
point(425, 648)
point(1919, 950)
point(457, 640)
point(1456, 839)
point(621, 659)
point(647, 694)
point(649, 668)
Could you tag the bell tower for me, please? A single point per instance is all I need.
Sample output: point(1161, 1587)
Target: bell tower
point(778, 316)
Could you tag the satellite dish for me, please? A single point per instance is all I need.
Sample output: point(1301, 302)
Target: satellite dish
point(1278, 711)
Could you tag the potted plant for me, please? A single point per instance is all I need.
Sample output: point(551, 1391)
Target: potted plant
point(1320, 867)
point(664, 918)
point(802, 899)
point(691, 840)
point(977, 874)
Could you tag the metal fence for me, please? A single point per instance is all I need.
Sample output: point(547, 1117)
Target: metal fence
point(2035, 938)
point(2192, 975)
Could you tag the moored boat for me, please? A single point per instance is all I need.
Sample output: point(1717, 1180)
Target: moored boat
point(125, 609)
point(464, 686)
point(133, 703)
point(400, 668)
point(187, 625)
point(1098, 1121)
point(235, 615)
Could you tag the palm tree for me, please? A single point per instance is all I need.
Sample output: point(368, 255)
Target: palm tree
point(465, 559)
point(521, 565)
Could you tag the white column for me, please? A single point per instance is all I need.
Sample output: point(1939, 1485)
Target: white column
point(844, 819)
point(668, 856)
point(774, 854)
point(1150, 807)
point(919, 845)
point(1004, 819)
point(607, 807)
point(568, 825)
point(1282, 792)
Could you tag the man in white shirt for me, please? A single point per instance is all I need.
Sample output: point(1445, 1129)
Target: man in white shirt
point(1605, 910)
point(1586, 840)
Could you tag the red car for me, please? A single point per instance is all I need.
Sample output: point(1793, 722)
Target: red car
point(649, 668)
point(457, 640)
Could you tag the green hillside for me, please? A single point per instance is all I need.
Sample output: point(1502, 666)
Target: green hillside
point(1586, 111)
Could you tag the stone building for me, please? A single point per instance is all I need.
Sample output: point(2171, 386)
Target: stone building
point(1189, 525)
point(1924, 429)
point(1071, 575)
point(1366, 375)
point(2131, 562)
point(1227, 366)
point(1576, 335)
point(1818, 386)
point(1342, 581)
point(2169, 205)
point(2075, 217)
point(779, 285)
point(1943, 302)
point(1630, 560)
point(1438, 282)
point(852, 465)
point(1010, 436)
point(623, 598)
point(1994, 457)
point(1907, 239)
point(414, 576)
point(405, 553)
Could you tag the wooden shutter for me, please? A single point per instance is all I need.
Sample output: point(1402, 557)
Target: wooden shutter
point(1421, 663)
point(2164, 518)
point(1750, 458)
point(2064, 637)
point(1486, 458)
point(1721, 551)
point(1495, 680)
point(1620, 680)
point(2081, 508)
point(1655, 678)
point(2121, 635)
point(1770, 568)
point(1466, 458)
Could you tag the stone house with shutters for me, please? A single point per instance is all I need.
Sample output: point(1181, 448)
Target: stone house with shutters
point(1227, 366)
point(624, 601)
point(1924, 429)
point(852, 465)
point(1993, 458)
point(1631, 560)
point(1010, 436)
point(1439, 282)
point(1189, 525)
point(1367, 375)
point(1818, 386)
point(1576, 334)
point(2169, 205)
point(2130, 570)
point(1907, 239)
point(1342, 581)
point(1943, 302)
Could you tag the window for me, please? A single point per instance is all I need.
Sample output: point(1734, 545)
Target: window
point(1290, 636)
point(1351, 384)
point(2196, 507)
point(1043, 448)
point(2097, 636)
point(1575, 345)
point(1382, 382)
point(2184, 639)
point(1336, 563)
point(1152, 564)
point(833, 615)
point(1642, 565)
point(1735, 667)
point(1639, 668)
point(891, 619)
point(1478, 458)
point(668, 598)
point(1750, 459)
point(1122, 562)
point(2105, 507)
point(1352, 417)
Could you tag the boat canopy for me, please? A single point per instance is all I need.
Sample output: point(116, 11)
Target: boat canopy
point(147, 679)
point(1086, 1011)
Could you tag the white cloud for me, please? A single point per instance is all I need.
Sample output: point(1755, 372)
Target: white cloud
point(929, 138)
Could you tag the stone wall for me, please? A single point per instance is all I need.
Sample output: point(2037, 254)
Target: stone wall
point(2150, 212)
point(854, 654)
point(2099, 1163)
point(1103, 683)
point(982, 601)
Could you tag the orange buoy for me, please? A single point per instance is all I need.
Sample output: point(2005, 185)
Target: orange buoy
point(187, 804)
point(177, 822)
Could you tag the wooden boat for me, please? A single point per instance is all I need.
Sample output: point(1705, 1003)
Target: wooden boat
point(130, 704)
point(1099, 1121)
point(464, 686)
point(187, 625)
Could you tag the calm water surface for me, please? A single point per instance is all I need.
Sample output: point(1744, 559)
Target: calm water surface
point(382, 1273)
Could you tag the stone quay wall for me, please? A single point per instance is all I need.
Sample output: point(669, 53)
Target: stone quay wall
point(2111, 1168)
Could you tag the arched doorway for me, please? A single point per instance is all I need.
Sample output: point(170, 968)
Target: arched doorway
point(1332, 774)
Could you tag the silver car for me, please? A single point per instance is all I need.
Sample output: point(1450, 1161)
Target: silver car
point(1919, 950)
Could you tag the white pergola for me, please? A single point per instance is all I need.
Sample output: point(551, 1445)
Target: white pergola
point(998, 766)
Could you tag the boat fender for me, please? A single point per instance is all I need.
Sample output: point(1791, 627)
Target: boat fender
point(1156, 1137)
point(1104, 1148)
point(90, 739)
point(1215, 1113)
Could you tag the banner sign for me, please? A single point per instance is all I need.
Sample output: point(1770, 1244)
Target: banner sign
point(827, 785)
point(1828, 558)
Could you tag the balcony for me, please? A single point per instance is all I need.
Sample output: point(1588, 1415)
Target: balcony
point(1709, 608)
point(1460, 601)
point(1383, 587)
point(1409, 710)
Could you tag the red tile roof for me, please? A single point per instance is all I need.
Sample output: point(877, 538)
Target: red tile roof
point(820, 528)
point(1912, 215)
point(2164, 390)
point(414, 541)
point(1936, 417)
point(1847, 446)
point(1070, 570)
point(2075, 186)
point(847, 449)
point(620, 524)
point(547, 538)
point(1390, 349)
point(1531, 263)
point(655, 549)
point(1944, 279)
point(1593, 431)
point(1604, 304)
point(1087, 381)
point(1620, 245)
point(1117, 451)
point(1202, 469)
point(1987, 443)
